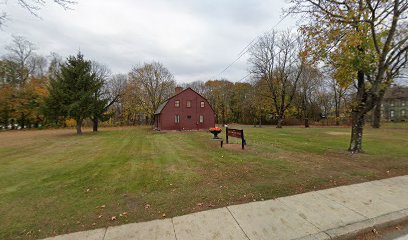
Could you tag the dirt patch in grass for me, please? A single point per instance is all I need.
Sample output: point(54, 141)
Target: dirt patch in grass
point(235, 147)
point(338, 133)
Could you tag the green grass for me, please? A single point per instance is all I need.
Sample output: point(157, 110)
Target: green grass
point(53, 182)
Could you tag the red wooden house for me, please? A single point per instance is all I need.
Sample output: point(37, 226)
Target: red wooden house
point(186, 110)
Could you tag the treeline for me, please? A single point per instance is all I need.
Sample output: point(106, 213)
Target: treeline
point(251, 102)
point(48, 91)
point(341, 61)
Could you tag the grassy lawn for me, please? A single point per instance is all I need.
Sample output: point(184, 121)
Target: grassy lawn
point(53, 182)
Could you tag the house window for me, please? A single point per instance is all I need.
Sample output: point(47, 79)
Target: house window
point(189, 104)
point(201, 119)
point(392, 103)
point(177, 103)
point(202, 104)
point(392, 113)
point(403, 103)
point(188, 117)
point(177, 119)
point(403, 113)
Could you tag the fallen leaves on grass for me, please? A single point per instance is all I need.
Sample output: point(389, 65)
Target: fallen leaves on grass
point(147, 206)
point(113, 218)
point(375, 231)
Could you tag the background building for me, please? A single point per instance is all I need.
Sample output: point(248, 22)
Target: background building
point(395, 104)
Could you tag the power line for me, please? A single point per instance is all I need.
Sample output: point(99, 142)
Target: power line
point(243, 77)
point(247, 47)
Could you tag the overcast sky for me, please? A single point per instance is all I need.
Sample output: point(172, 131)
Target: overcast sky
point(194, 39)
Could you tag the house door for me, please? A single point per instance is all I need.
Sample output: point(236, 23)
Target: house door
point(190, 123)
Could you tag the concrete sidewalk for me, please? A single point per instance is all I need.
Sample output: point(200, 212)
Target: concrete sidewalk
point(335, 213)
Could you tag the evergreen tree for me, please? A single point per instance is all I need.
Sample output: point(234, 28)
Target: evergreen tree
point(72, 93)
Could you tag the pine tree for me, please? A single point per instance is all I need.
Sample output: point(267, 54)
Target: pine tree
point(72, 92)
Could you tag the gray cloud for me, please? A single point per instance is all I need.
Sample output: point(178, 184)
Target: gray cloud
point(195, 40)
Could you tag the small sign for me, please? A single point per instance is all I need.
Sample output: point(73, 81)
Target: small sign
point(237, 133)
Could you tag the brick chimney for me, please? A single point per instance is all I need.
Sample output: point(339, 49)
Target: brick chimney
point(178, 89)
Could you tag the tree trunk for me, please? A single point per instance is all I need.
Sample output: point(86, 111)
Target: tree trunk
point(307, 123)
point(22, 121)
point(337, 106)
point(79, 126)
point(95, 123)
point(12, 124)
point(337, 117)
point(357, 116)
point(223, 116)
point(377, 116)
point(356, 143)
point(280, 120)
point(377, 112)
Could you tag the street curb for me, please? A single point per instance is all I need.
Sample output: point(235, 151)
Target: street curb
point(353, 230)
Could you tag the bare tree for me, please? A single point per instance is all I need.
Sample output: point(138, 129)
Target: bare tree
point(309, 83)
point(33, 6)
point(154, 84)
point(55, 64)
point(198, 86)
point(275, 61)
point(20, 52)
point(38, 65)
point(339, 97)
point(109, 94)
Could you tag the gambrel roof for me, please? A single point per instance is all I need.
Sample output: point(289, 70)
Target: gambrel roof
point(163, 105)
